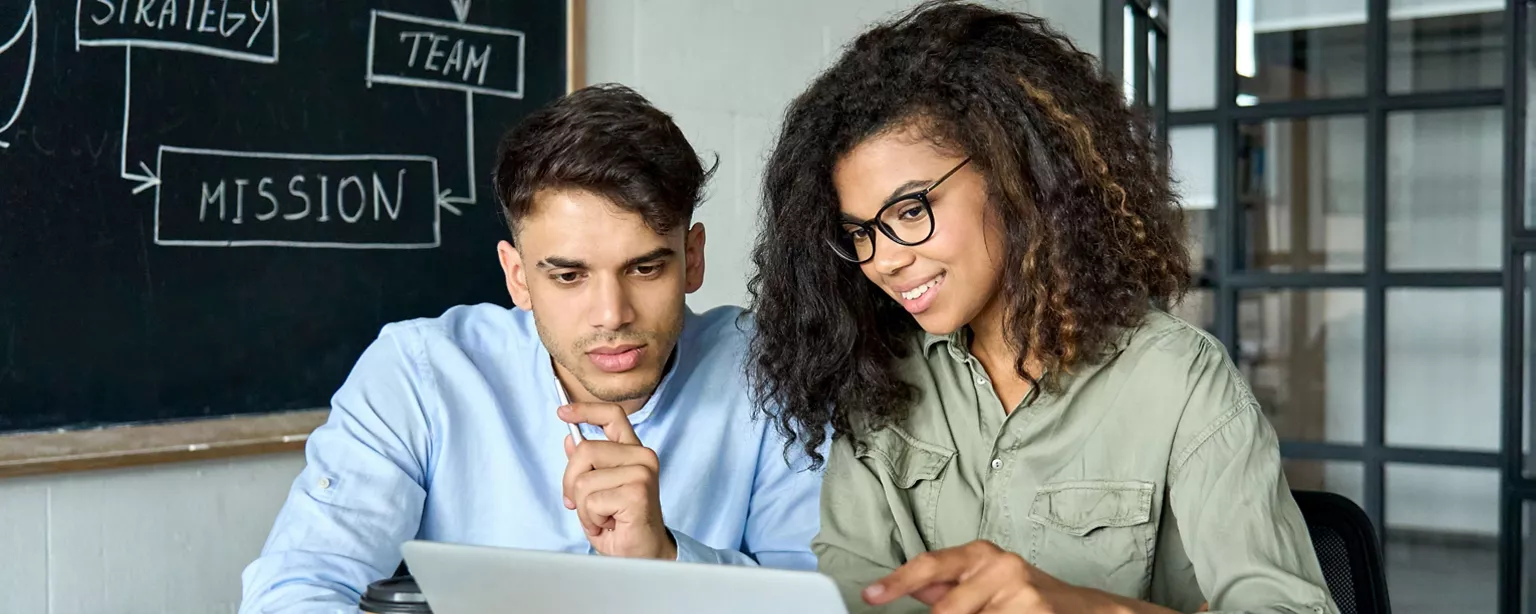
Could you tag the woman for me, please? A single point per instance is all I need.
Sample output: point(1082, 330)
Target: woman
point(965, 232)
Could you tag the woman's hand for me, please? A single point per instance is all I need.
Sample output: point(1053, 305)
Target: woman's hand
point(980, 577)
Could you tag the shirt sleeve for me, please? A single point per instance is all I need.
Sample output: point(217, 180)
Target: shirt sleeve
point(858, 542)
point(1239, 524)
point(358, 498)
point(782, 516)
point(784, 513)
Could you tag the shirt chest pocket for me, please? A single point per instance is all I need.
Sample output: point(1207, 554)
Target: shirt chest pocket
point(1096, 533)
point(915, 469)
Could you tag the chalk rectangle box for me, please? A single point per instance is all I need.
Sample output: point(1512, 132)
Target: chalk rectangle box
point(215, 198)
point(435, 53)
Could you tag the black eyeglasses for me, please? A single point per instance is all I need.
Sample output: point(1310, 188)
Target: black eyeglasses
point(906, 219)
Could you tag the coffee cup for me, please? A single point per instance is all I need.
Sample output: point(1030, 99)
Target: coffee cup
point(398, 595)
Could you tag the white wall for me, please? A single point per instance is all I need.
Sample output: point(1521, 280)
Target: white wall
point(174, 538)
point(161, 539)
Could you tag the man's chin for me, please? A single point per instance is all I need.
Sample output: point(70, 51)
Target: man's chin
point(621, 387)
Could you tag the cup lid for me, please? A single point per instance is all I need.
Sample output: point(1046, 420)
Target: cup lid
point(402, 589)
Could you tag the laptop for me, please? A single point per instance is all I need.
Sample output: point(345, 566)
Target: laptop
point(461, 579)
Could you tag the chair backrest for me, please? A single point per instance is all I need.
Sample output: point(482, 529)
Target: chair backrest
point(1347, 548)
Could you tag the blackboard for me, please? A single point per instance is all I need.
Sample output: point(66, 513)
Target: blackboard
point(209, 207)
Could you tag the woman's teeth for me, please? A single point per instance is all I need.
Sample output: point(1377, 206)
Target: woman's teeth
point(914, 293)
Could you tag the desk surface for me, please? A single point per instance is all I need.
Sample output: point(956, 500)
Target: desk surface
point(132, 445)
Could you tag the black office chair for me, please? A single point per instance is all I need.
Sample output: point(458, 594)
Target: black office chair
point(1346, 546)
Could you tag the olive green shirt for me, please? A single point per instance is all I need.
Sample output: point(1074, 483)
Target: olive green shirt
point(1152, 475)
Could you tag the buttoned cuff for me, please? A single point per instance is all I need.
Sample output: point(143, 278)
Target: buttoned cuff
point(690, 550)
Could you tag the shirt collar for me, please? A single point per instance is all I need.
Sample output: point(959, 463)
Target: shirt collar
point(958, 346)
point(956, 343)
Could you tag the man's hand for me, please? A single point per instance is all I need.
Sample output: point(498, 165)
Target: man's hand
point(612, 486)
point(980, 577)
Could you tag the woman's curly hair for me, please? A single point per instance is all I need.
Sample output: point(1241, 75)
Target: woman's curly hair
point(1093, 232)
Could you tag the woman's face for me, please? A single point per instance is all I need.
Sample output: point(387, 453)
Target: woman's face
point(950, 279)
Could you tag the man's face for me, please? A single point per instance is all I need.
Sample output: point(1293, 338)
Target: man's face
point(606, 291)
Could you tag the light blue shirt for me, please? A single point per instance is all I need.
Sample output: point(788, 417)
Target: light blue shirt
point(446, 430)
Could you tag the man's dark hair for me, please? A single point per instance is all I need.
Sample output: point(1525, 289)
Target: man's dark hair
point(608, 140)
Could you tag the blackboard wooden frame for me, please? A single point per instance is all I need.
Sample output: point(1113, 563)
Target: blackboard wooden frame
point(575, 45)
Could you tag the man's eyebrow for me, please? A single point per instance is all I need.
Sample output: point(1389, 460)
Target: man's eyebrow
point(561, 262)
point(655, 254)
point(558, 262)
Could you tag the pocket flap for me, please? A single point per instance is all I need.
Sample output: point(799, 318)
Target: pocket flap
point(907, 459)
point(1079, 507)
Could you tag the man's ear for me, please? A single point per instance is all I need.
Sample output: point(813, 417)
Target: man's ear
point(693, 257)
point(517, 278)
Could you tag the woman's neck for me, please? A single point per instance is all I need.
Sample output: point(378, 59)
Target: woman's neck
point(989, 344)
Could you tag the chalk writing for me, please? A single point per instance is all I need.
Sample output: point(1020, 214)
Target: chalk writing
point(297, 201)
point(235, 29)
point(448, 55)
point(222, 198)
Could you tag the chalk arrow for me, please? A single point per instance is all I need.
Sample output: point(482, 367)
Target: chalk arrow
point(446, 201)
point(146, 181)
point(469, 148)
point(461, 10)
point(28, 25)
point(149, 179)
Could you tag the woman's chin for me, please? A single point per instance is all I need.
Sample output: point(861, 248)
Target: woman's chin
point(936, 322)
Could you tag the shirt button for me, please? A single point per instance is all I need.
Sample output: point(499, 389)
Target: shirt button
point(325, 483)
point(981, 381)
point(997, 463)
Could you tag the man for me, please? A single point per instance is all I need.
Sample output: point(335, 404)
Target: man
point(447, 429)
